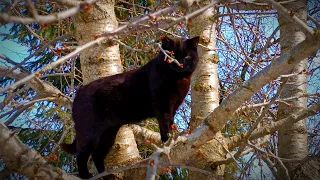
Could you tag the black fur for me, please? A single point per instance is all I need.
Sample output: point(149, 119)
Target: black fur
point(157, 89)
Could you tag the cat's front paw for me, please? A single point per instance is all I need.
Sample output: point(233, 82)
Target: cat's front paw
point(85, 176)
point(164, 138)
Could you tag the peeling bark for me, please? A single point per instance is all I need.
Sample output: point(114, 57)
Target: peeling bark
point(103, 60)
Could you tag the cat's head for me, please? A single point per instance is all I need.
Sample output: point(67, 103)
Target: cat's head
point(184, 51)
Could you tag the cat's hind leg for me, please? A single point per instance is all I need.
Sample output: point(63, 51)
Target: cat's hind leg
point(105, 143)
point(85, 147)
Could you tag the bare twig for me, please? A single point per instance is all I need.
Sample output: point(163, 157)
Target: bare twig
point(20, 109)
point(43, 89)
point(154, 161)
point(265, 110)
point(270, 164)
point(292, 18)
point(271, 128)
point(2, 56)
point(277, 101)
point(269, 153)
point(32, 9)
point(208, 173)
point(52, 65)
point(29, 159)
point(314, 21)
point(45, 19)
point(130, 48)
point(251, 5)
point(226, 149)
point(266, 45)
point(55, 74)
point(167, 57)
point(38, 51)
point(138, 21)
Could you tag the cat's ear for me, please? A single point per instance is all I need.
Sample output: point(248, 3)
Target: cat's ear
point(193, 42)
point(166, 42)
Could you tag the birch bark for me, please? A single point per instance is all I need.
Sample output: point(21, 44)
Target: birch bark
point(205, 93)
point(292, 140)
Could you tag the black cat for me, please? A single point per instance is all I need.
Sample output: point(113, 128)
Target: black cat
point(156, 89)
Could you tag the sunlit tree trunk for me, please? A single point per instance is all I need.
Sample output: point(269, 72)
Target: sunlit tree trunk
point(292, 141)
point(204, 93)
point(104, 60)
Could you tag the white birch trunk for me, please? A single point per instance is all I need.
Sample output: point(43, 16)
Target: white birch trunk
point(292, 141)
point(205, 93)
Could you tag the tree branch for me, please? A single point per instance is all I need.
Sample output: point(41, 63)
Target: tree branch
point(26, 161)
point(283, 65)
point(43, 89)
point(145, 135)
point(45, 19)
point(292, 18)
point(245, 5)
point(271, 128)
point(218, 118)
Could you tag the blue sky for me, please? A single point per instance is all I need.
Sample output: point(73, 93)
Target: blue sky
point(14, 51)
point(10, 48)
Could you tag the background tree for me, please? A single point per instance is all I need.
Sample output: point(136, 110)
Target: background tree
point(292, 139)
point(71, 43)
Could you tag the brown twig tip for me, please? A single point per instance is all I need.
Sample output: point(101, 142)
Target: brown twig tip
point(45, 25)
point(174, 127)
point(38, 74)
point(52, 158)
point(17, 131)
point(162, 36)
point(59, 50)
point(169, 61)
point(291, 12)
point(309, 73)
point(153, 18)
point(167, 57)
point(86, 7)
point(96, 37)
point(151, 163)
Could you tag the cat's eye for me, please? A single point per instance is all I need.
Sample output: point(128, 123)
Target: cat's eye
point(187, 57)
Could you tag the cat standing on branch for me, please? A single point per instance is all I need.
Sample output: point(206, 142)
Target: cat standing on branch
point(157, 89)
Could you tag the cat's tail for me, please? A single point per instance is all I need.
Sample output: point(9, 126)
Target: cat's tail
point(69, 148)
